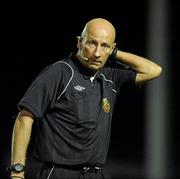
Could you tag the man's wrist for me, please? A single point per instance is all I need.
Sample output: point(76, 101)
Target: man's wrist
point(16, 171)
point(15, 176)
point(16, 168)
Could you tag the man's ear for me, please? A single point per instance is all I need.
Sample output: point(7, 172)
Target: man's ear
point(78, 41)
point(113, 47)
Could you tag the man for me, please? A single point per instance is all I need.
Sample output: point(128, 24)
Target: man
point(71, 103)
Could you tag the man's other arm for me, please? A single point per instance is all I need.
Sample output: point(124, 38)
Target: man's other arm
point(146, 69)
point(20, 139)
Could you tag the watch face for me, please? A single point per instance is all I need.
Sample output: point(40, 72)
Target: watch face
point(18, 167)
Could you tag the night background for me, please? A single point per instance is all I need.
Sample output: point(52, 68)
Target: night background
point(36, 35)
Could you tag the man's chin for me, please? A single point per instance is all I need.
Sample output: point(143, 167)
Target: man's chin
point(94, 67)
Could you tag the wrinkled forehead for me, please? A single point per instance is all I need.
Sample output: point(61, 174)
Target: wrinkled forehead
point(99, 30)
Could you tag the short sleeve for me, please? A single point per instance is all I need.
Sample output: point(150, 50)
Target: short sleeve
point(123, 77)
point(40, 93)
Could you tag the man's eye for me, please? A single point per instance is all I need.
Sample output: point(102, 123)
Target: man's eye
point(105, 47)
point(90, 44)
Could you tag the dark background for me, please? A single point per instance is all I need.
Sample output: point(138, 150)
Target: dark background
point(35, 35)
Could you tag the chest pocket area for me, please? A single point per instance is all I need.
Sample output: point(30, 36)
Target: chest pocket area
point(78, 102)
point(83, 107)
point(77, 95)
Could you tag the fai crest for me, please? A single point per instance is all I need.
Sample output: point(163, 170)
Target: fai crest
point(106, 105)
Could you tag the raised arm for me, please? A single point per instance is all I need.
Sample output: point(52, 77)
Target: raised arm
point(146, 69)
point(20, 140)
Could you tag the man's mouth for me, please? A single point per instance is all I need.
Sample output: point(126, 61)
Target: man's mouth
point(95, 61)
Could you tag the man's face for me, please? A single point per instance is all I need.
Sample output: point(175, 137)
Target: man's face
point(96, 47)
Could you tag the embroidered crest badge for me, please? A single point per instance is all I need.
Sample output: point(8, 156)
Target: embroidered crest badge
point(106, 105)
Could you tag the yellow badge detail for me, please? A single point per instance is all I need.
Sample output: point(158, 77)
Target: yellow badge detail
point(106, 105)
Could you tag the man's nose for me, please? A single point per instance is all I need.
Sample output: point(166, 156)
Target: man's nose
point(97, 51)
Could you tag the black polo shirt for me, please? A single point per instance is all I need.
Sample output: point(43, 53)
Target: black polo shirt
point(73, 111)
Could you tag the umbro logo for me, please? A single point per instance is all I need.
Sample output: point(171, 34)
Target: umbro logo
point(79, 88)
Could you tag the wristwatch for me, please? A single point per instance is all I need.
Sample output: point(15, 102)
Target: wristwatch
point(18, 167)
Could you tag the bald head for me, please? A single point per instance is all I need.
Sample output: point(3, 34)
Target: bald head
point(96, 44)
point(100, 26)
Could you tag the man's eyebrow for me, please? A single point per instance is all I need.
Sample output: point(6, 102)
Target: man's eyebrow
point(104, 43)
